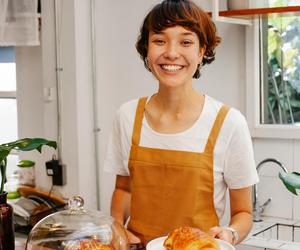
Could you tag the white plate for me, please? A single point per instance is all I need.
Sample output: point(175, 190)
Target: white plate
point(157, 244)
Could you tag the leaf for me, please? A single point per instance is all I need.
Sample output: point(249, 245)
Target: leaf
point(28, 144)
point(2, 169)
point(13, 195)
point(4, 152)
point(26, 163)
point(291, 181)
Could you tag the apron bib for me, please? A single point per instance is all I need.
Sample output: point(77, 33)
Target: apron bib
point(171, 188)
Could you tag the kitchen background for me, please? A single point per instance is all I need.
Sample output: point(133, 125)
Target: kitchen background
point(96, 80)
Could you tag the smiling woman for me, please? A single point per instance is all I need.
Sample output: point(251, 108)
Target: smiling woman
point(176, 152)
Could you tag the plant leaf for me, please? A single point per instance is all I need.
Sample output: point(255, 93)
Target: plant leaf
point(4, 152)
point(2, 169)
point(26, 163)
point(291, 181)
point(28, 144)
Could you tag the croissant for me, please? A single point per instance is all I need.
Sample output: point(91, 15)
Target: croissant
point(87, 244)
point(188, 238)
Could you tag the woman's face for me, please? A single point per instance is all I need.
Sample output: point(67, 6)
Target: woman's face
point(173, 55)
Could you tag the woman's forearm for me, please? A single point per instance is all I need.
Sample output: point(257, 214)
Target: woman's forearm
point(242, 223)
point(120, 204)
point(241, 211)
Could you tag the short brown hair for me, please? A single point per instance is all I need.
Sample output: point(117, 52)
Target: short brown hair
point(184, 13)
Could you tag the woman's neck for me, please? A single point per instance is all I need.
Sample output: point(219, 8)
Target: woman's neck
point(174, 110)
point(176, 101)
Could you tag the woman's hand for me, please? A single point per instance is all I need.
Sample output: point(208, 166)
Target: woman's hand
point(132, 238)
point(221, 233)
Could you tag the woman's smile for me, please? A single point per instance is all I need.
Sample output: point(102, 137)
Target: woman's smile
point(171, 67)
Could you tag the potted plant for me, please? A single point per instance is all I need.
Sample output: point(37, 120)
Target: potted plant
point(6, 212)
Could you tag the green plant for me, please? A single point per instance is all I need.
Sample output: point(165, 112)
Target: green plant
point(26, 164)
point(26, 144)
point(283, 67)
point(291, 181)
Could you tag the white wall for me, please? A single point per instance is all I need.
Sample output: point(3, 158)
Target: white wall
point(39, 116)
point(75, 94)
point(121, 76)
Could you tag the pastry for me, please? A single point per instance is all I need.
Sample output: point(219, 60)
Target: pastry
point(87, 244)
point(188, 238)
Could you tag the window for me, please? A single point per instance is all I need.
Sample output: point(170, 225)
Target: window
point(8, 102)
point(273, 74)
point(280, 74)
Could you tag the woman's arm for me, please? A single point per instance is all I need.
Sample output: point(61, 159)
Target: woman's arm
point(241, 216)
point(120, 204)
point(241, 211)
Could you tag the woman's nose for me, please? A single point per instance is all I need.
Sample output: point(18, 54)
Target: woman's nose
point(171, 51)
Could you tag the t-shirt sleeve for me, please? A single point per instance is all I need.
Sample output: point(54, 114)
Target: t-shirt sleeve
point(113, 162)
point(240, 170)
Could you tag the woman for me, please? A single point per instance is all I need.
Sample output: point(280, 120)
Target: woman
point(176, 153)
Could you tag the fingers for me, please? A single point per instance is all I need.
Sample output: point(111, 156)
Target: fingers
point(214, 231)
point(221, 233)
point(132, 238)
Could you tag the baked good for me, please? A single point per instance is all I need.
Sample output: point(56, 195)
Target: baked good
point(86, 244)
point(189, 238)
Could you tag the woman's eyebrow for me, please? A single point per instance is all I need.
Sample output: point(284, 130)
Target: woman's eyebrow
point(157, 32)
point(188, 34)
point(163, 33)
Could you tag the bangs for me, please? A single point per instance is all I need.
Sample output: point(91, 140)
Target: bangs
point(169, 14)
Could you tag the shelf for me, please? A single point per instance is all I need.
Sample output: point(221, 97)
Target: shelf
point(260, 11)
point(244, 16)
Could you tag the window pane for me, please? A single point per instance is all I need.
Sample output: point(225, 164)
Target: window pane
point(280, 78)
point(283, 3)
point(7, 77)
point(8, 118)
point(7, 54)
point(7, 69)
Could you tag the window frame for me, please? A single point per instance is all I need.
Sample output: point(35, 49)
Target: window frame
point(8, 94)
point(284, 131)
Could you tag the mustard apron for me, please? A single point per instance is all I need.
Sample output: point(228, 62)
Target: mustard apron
point(171, 188)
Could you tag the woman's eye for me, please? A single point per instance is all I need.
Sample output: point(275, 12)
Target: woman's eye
point(159, 42)
point(187, 42)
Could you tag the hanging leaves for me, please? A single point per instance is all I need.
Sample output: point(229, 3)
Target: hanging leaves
point(291, 181)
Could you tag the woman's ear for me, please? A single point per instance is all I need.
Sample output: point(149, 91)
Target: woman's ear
point(201, 54)
point(202, 51)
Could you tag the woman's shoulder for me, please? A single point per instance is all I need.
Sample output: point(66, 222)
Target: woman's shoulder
point(234, 116)
point(126, 111)
point(128, 106)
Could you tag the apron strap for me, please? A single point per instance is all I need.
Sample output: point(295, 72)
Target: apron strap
point(209, 148)
point(139, 114)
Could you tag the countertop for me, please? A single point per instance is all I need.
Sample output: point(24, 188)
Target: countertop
point(267, 242)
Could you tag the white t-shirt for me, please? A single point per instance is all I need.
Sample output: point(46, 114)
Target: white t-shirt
point(234, 165)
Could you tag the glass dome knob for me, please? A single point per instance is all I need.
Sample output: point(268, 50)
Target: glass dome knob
point(76, 203)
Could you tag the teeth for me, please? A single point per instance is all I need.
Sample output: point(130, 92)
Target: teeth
point(171, 67)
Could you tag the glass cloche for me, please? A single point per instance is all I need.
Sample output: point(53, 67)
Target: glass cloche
point(77, 229)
